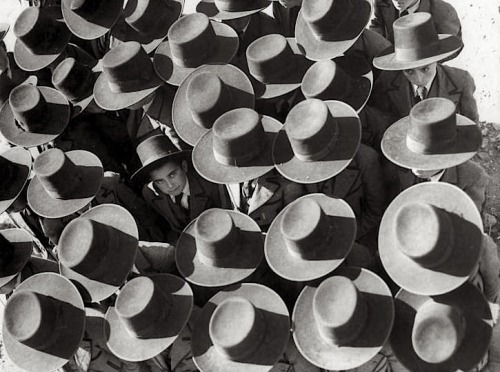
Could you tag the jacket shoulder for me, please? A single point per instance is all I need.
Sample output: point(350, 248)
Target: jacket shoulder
point(460, 77)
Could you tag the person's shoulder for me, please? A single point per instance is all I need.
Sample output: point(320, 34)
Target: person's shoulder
point(459, 76)
point(472, 170)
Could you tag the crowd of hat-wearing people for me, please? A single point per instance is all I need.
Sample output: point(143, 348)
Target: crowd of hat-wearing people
point(226, 191)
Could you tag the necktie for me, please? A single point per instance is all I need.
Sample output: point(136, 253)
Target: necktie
point(421, 93)
point(403, 13)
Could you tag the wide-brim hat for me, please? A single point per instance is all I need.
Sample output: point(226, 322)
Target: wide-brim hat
point(45, 205)
point(339, 157)
point(58, 114)
point(22, 243)
point(478, 323)
point(66, 339)
point(97, 289)
point(380, 318)
point(242, 95)
point(134, 349)
point(406, 272)
point(21, 159)
point(209, 8)
point(270, 305)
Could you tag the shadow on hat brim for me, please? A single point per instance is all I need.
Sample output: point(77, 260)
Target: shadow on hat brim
point(369, 342)
point(342, 153)
point(274, 310)
point(210, 169)
point(294, 268)
point(316, 50)
point(77, 107)
point(235, 80)
point(466, 145)
point(92, 174)
point(245, 259)
point(466, 251)
point(22, 242)
point(21, 159)
point(209, 8)
point(58, 114)
point(69, 337)
point(476, 339)
point(143, 173)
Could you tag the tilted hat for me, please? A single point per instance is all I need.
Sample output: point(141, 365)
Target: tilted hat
point(64, 182)
point(318, 141)
point(15, 166)
point(43, 324)
point(345, 321)
point(245, 327)
point(206, 94)
point(220, 247)
point(16, 246)
point(326, 29)
point(34, 115)
point(444, 333)
point(97, 250)
point(231, 9)
point(310, 238)
point(430, 238)
point(416, 44)
point(193, 41)
point(433, 136)
point(237, 148)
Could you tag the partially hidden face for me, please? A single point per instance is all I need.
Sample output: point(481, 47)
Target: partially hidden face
point(170, 178)
point(422, 75)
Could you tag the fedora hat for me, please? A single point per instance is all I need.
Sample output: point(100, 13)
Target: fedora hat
point(430, 238)
point(64, 182)
point(310, 237)
point(345, 321)
point(321, 149)
point(432, 136)
point(97, 250)
point(416, 44)
point(127, 77)
point(237, 148)
point(15, 166)
point(231, 9)
point(326, 29)
point(16, 246)
point(148, 316)
point(348, 79)
point(193, 41)
point(461, 318)
point(220, 247)
point(245, 327)
point(34, 115)
point(206, 94)
point(276, 65)
point(43, 323)
point(41, 37)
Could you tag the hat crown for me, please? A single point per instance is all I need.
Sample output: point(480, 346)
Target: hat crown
point(234, 5)
point(326, 80)
point(84, 6)
point(154, 148)
point(29, 107)
point(324, 17)
point(73, 79)
point(147, 16)
point(6, 251)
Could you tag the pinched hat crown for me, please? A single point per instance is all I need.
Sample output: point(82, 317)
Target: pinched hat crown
point(29, 107)
point(325, 17)
point(73, 79)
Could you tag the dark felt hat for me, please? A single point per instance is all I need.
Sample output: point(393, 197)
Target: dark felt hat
point(345, 321)
point(16, 246)
point(15, 166)
point(231, 9)
point(430, 238)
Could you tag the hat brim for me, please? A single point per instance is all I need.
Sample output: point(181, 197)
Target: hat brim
point(408, 274)
point(142, 174)
point(209, 8)
point(369, 342)
point(466, 144)
point(21, 159)
point(78, 106)
point(316, 50)
point(476, 339)
point(22, 242)
point(342, 153)
point(448, 45)
point(123, 257)
point(240, 90)
point(206, 165)
point(45, 205)
point(294, 268)
point(133, 349)
point(57, 118)
point(274, 310)
point(224, 50)
point(69, 337)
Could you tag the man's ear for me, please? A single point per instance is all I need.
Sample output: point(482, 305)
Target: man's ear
point(184, 165)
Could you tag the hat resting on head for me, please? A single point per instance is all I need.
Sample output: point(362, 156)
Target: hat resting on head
point(16, 246)
point(221, 10)
point(15, 166)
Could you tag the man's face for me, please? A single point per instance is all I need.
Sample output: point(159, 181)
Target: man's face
point(422, 75)
point(425, 173)
point(403, 4)
point(170, 178)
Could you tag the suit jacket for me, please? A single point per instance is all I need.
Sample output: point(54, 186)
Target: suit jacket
point(286, 17)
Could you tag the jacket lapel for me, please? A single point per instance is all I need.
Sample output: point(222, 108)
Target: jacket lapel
point(264, 191)
point(400, 94)
point(446, 86)
point(164, 204)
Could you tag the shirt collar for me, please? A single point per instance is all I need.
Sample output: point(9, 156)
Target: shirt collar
point(437, 177)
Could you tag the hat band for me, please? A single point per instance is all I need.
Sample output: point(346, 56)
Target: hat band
point(323, 152)
point(225, 260)
point(415, 54)
point(431, 148)
point(237, 161)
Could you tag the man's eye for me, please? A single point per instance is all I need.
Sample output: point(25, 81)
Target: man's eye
point(425, 69)
point(172, 175)
point(409, 72)
point(158, 181)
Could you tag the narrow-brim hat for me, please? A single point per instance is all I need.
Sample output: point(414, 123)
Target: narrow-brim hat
point(16, 248)
point(444, 333)
point(416, 44)
point(345, 321)
point(193, 41)
point(210, 91)
point(221, 10)
point(237, 148)
point(15, 166)
point(148, 316)
point(318, 141)
point(430, 238)
point(245, 327)
point(328, 29)
point(433, 136)
point(64, 183)
point(44, 322)
point(97, 250)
